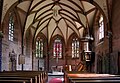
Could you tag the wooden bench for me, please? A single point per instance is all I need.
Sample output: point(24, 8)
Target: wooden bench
point(42, 75)
point(31, 76)
point(93, 79)
point(6, 77)
point(15, 79)
point(75, 77)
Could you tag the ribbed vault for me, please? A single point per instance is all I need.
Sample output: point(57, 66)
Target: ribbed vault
point(62, 17)
point(56, 17)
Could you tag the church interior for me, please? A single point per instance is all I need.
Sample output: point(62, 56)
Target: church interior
point(73, 40)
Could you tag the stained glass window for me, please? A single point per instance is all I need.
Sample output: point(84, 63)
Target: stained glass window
point(57, 48)
point(101, 28)
point(11, 27)
point(75, 48)
point(39, 48)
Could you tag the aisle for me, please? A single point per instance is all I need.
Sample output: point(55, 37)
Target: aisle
point(55, 77)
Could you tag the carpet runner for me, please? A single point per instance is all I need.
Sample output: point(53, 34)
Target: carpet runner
point(56, 80)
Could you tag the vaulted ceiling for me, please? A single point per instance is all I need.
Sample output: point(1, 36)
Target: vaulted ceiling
point(56, 17)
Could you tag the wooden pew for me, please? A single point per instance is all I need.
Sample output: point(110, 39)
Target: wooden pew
point(42, 75)
point(66, 78)
point(18, 76)
point(33, 76)
point(14, 81)
point(75, 77)
point(8, 79)
point(93, 79)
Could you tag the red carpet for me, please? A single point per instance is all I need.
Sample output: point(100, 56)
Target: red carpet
point(55, 80)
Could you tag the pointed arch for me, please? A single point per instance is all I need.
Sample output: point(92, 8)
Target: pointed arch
point(40, 46)
point(74, 45)
point(57, 45)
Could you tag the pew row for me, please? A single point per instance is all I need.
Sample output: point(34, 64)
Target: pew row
point(8, 79)
point(24, 76)
point(73, 77)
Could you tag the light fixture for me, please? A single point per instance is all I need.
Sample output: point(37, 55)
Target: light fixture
point(89, 37)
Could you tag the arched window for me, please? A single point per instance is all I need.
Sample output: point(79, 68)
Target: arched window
point(101, 29)
point(39, 48)
point(57, 48)
point(11, 27)
point(75, 48)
